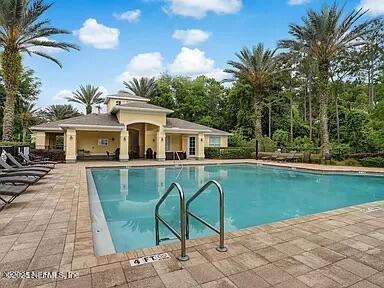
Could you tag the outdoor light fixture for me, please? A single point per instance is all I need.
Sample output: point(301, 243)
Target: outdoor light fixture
point(162, 139)
point(153, 139)
point(125, 138)
point(71, 137)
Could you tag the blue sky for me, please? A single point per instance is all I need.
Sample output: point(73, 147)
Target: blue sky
point(121, 39)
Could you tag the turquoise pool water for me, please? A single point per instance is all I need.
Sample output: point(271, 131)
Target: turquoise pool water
point(253, 195)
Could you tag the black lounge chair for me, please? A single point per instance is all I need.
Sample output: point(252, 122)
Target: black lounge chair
point(32, 170)
point(19, 165)
point(271, 157)
point(31, 162)
point(11, 191)
point(5, 178)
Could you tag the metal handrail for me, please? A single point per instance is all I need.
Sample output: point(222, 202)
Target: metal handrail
point(182, 235)
point(220, 231)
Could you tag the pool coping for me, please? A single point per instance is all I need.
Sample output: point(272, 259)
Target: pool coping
point(171, 247)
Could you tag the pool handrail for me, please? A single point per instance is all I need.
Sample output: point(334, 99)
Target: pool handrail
point(219, 231)
point(182, 235)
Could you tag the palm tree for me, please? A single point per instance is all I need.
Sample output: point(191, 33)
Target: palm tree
point(27, 116)
point(60, 112)
point(143, 87)
point(88, 96)
point(257, 67)
point(323, 36)
point(22, 31)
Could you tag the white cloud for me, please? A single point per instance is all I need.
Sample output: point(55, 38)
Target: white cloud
point(191, 36)
point(200, 8)
point(375, 7)
point(48, 50)
point(143, 65)
point(130, 15)
point(98, 35)
point(193, 62)
point(298, 2)
point(59, 98)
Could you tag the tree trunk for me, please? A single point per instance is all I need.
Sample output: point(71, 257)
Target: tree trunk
point(258, 127)
point(12, 68)
point(88, 109)
point(310, 110)
point(291, 105)
point(305, 101)
point(323, 81)
point(270, 120)
point(337, 115)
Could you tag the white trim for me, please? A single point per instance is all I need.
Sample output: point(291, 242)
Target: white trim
point(59, 130)
point(181, 130)
point(188, 146)
point(92, 126)
point(219, 134)
point(160, 110)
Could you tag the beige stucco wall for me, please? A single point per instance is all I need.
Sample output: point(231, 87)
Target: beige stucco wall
point(112, 103)
point(223, 140)
point(70, 142)
point(176, 143)
point(39, 139)
point(87, 140)
point(129, 117)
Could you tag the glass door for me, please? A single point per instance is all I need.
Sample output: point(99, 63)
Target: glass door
point(192, 146)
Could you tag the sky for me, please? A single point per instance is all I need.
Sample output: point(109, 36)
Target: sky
point(122, 39)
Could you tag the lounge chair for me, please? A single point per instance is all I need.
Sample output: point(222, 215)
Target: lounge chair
point(19, 165)
point(292, 157)
point(11, 191)
point(13, 172)
point(6, 178)
point(289, 157)
point(30, 162)
point(271, 157)
point(9, 169)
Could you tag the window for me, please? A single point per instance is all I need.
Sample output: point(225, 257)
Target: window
point(168, 143)
point(118, 102)
point(214, 141)
point(192, 146)
point(102, 142)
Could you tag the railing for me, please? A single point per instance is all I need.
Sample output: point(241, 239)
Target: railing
point(182, 235)
point(219, 231)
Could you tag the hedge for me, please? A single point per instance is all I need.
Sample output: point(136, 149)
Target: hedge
point(372, 162)
point(11, 143)
point(229, 153)
point(53, 154)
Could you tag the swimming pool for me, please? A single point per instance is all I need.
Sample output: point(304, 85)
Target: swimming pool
point(123, 199)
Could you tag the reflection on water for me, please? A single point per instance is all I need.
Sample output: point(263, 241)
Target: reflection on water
point(254, 195)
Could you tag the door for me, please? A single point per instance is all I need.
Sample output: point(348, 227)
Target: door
point(192, 146)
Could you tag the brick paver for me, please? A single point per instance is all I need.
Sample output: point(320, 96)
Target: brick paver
point(49, 229)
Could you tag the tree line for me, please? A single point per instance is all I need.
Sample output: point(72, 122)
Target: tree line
point(321, 87)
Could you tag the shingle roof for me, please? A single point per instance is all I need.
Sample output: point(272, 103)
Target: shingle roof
point(125, 94)
point(183, 124)
point(143, 106)
point(105, 119)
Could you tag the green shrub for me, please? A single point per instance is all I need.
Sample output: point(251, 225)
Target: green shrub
point(340, 151)
point(351, 162)
point(11, 143)
point(237, 139)
point(236, 153)
point(372, 162)
point(267, 145)
point(212, 152)
point(281, 138)
point(303, 144)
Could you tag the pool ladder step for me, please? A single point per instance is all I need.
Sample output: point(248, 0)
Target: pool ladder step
point(185, 213)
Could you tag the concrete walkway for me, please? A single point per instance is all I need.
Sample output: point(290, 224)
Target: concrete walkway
point(49, 229)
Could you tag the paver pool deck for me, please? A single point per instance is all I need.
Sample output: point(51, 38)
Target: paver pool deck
point(48, 228)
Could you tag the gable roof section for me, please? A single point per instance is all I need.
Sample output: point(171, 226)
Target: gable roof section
point(175, 124)
point(141, 106)
point(124, 95)
point(105, 120)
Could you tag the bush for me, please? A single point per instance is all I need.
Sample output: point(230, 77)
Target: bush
point(237, 139)
point(11, 143)
point(237, 153)
point(303, 144)
point(372, 162)
point(351, 162)
point(267, 145)
point(340, 151)
point(212, 152)
point(281, 138)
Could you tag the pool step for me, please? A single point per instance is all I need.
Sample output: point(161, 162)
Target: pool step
point(168, 239)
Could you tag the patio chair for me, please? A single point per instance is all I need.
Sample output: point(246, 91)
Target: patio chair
point(19, 165)
point(287, 158)
point(30, 162)
point(272, 157)
point(6, 178)
point(11, 191)
point(9, 169)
